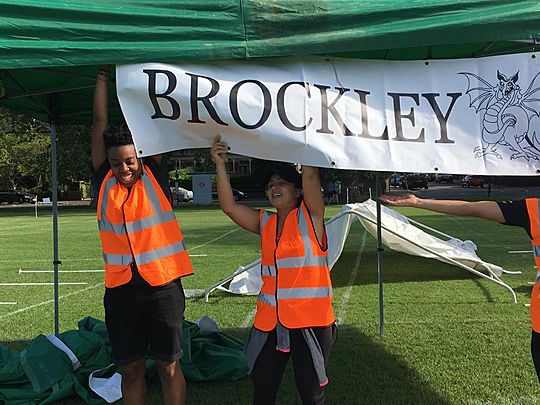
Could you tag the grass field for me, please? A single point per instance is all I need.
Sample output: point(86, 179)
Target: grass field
point(450, 337)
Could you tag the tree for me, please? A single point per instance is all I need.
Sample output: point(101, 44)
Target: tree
point(74, 155)
point(24, 151)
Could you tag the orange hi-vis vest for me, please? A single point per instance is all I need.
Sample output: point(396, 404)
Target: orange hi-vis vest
point(139, 226)
point(296, 289)
point(532, 209)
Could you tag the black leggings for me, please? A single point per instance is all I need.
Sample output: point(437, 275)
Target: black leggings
point(270, 366)
point(535, 351)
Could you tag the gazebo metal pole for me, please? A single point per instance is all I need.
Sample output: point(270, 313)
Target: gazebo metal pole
point(54, 190)
point(380, 251)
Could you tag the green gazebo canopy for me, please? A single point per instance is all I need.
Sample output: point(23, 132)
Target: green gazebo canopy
point(51, 49)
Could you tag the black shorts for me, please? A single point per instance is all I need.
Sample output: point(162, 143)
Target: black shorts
point(144, 320)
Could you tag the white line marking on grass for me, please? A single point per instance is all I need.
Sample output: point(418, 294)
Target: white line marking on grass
point(50, 301)
point(457, 321)
point(8, 303)
point(529, 400)
point(249, 318)
point(347, 295)
point(68, 260)
point(213, 240)
point(21, 271)
point(519, 251)
point(49, 260)
point(451, 218)
point(21, 284)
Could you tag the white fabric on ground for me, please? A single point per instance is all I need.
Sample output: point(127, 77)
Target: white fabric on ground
point(104, 384)
point(461, 251)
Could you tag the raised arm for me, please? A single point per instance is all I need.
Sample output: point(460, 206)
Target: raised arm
point(480, 209)
point(100, 108)
point(313, 198)
point(244, 216)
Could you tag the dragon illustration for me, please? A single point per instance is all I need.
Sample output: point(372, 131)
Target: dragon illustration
point(507, 114)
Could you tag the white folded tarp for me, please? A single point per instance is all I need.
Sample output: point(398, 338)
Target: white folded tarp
point(398, 233)
point(411, 236)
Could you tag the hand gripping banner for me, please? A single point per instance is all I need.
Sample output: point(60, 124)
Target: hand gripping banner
point(469, 116)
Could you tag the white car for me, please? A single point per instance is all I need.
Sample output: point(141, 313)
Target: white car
point(181, 194)
point(444, 178)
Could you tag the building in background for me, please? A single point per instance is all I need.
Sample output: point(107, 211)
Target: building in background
point(236, 164)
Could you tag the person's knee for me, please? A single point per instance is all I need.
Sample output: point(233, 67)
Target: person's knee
point(168, 371)
point(133, 373)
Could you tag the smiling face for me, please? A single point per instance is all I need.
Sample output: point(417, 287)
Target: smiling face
point(281, 193)
point(124, 164)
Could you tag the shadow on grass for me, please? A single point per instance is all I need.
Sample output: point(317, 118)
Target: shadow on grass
point(485, 291)
point(525, 289)
point(360, 371)
point(396, 267)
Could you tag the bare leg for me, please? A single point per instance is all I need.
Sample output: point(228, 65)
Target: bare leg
point(173, 384)
point(133, 382)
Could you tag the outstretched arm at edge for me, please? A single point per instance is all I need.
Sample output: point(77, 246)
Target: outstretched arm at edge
point(489, 210)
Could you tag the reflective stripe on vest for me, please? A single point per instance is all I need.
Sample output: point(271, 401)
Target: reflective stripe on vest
point(304, 292)
point(274, 299)
point(268, 271)
point(139, 225)
point(293, 293)
point(147, 257)
point(267, 299)
point(160, 257)
point(266, 215)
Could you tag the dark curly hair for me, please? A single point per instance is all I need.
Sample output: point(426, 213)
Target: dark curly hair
point(117, 135)
point(286, 171)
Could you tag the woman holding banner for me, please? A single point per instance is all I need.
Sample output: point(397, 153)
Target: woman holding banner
point(294, 315)
point(523, 213)
point(144, 255)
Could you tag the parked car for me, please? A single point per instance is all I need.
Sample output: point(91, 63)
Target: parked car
point(395, 180)
point(470, 180)
point(444, 178)
point(412, 181)
point(182, 195)
point(13, 196)
point(239, 195)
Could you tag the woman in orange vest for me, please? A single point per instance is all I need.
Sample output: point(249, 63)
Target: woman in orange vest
point(523, 213)
point(144, 255)
point(294, 308)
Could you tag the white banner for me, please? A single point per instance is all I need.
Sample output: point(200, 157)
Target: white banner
point(469, 116)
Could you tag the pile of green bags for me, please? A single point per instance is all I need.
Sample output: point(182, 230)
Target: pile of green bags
point(42, 373)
